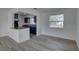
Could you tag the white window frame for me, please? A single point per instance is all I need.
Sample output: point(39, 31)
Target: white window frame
point(53, 21)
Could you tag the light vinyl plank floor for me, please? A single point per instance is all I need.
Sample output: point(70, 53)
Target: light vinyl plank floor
point(40, 43)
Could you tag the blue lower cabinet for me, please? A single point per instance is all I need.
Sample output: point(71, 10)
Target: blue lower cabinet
point(33, 30)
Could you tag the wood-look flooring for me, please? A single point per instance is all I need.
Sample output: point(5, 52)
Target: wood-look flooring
point(40, 43)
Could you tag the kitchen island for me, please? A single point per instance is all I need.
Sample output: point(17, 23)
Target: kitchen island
point(20, 34)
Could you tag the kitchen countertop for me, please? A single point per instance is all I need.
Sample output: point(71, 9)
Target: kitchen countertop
point(20, 28)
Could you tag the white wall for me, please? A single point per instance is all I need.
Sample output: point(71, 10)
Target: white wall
point(69, 30)
point(3, 22)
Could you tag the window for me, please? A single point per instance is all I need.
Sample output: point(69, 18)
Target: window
point(56, 21)
point(32, 20)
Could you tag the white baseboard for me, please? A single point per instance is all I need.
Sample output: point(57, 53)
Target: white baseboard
point(56, 36)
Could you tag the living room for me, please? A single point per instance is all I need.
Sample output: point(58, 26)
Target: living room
point(64, 30)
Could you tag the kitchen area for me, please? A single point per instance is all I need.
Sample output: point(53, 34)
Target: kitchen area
point(23, 27)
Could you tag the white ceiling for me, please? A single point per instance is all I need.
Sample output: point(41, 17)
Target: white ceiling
point(5, 8)
point(39, 9)
point(48, 9)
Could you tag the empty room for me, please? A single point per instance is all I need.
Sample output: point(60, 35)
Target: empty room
point(39, 29)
